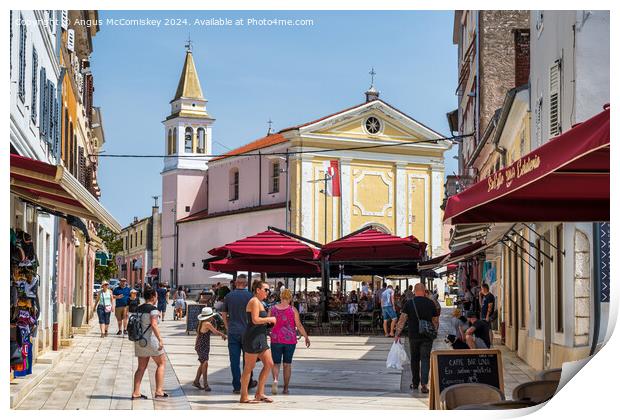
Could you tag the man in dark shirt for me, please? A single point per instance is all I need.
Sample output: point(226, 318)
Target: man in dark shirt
point(420, 346)
point(478, 334)
point(236, 321)
point(488, 303)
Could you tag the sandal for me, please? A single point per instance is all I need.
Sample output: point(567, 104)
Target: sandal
point(197, 385)
point(207, 388)
point(164, 395)
point(140, 397)
point(249, 402)
point(265, 399)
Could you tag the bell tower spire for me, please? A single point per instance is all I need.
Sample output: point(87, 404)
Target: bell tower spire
point(188, 127)
point(187, 134)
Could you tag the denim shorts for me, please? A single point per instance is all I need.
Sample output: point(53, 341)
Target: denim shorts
point(389, 313)
point(104, 317)
point(280, 352)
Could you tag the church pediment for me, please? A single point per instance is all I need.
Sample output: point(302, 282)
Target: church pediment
point(373, 120)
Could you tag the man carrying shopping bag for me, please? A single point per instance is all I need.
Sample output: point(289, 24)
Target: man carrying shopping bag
point(397, 355)
point(420, 312)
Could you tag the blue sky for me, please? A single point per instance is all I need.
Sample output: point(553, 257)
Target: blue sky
point(250, 74)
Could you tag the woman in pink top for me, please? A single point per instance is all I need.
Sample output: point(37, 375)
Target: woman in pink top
point(284, 338)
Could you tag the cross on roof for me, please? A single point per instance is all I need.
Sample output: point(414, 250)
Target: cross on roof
point(269, 126)
point(188, 46)
point(372, 76)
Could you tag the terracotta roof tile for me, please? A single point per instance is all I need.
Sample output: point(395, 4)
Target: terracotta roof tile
point(267, 141)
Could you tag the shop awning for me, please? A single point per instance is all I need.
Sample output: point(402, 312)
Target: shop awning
point(494, 235)
point(269, 244)
point(565, 180)
point(53, 187)
point(468, 234)
point(369, 244)
point(284, 267)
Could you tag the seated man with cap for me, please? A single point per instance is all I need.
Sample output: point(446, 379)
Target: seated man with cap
point(478, 335)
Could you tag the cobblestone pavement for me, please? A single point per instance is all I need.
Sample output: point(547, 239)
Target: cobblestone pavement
point(338, 372)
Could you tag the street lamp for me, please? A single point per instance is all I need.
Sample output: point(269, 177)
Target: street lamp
point(327, 178)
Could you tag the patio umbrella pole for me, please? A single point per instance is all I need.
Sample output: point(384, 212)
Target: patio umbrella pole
point(325, 284)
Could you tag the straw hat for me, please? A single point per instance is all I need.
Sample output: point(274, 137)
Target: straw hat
point(206, 313)
point(104, 283)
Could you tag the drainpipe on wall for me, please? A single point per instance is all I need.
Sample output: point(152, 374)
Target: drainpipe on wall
point(287, 208)
point(477, 119)
point(260, 179)
point(56, 251)
point(596, 285)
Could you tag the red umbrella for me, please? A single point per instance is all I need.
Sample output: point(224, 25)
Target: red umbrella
point(268, 244)
point(371, 244)
point(269, 266)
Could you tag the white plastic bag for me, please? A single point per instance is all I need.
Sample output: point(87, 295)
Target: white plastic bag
point(397, 356)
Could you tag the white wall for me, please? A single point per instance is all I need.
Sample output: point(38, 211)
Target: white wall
point(197, 238)
point(251, 173)
point(581, 40)
point(591, 63)
point(25, 136)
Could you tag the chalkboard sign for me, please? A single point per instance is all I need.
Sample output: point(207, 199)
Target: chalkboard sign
point(451, 367)
point(192, 317)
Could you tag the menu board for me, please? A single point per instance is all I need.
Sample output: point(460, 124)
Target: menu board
point(192, 317)
point(451, 367)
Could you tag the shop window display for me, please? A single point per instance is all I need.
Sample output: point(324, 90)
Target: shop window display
point(24, 301)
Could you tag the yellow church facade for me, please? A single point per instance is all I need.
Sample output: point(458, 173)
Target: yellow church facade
point(397, 188)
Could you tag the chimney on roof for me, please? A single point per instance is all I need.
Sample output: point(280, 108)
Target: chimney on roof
point(372, 93)
point(135, 219)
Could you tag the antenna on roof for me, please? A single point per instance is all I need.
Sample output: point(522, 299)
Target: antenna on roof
point(155, 197)
point(269, 123)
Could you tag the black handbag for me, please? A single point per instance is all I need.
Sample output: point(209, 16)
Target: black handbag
point(425, 328)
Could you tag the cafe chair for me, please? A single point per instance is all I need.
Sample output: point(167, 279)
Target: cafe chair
point(535, 391)
point(466, 394)
point(365, 321)
point(499, 405)
point(312, 320)
point(336, 321)
point(550, 375)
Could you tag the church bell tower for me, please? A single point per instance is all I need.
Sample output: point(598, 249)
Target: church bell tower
point(187, 134)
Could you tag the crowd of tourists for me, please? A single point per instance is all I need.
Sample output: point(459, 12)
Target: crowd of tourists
point(250, 316)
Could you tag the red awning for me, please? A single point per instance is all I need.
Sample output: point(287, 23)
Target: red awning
point(269, 266)
point(268, 244)
point(53, 187)
point(454, 256)
point(369, 244)
point(565, 180)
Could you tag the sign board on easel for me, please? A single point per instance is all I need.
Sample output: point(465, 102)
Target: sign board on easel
point(191, 317)
point(451, 367)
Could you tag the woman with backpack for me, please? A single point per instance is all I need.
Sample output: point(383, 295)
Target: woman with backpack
point(148, 344)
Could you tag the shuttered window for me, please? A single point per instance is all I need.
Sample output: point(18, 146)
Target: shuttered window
point(35, 72)
point(57, 123)
point(43, 108)
point(82, 163)
point(275, 178)
point(233, 187)
point(21, 83)
point(555, 127)
point(51, 111)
